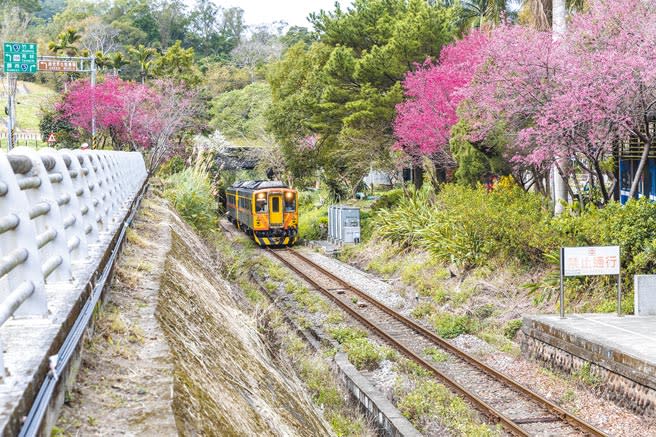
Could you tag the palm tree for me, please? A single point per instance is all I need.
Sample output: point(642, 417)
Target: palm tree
point(65, 42)
point(479, 13)
point(116, 61)
point(102, 60)
point(143, 57)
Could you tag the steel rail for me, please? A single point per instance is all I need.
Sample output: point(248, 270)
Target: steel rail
point(481, 405)
point(571, 419)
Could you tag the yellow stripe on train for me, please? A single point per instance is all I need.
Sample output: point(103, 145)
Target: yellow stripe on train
point(269, 242)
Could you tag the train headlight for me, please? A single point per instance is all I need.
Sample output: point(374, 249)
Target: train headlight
point(289, 195)
point(260, 196)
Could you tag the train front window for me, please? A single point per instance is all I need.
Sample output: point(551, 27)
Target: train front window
point(275, 204)
point(290, 202)
point(260, 205)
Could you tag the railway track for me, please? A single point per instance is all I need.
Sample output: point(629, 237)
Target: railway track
point(504, 401)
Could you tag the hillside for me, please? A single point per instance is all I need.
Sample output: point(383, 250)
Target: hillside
point(30, 97)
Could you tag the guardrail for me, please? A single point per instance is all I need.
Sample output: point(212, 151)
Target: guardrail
point(58, 210)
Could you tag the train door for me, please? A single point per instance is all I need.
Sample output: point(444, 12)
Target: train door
point(275, 209)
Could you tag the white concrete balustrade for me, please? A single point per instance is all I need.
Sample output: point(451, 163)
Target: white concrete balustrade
point(58, 211)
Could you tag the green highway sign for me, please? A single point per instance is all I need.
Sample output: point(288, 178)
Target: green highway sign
point(20, 57)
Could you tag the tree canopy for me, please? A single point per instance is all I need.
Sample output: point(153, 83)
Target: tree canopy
point(342, 90)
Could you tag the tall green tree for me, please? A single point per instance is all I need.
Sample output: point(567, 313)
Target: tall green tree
point(143, 56)
point(177, 63)
point(173, 21)
point(117, 61)
point(66, 42)
point(136, 21)
point(342, 91)
point(239, 114)
point(213, 30)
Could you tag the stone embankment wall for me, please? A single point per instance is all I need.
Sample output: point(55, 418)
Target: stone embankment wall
point(608, 384)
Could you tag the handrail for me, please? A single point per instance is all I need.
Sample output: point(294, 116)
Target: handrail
point(55, 206)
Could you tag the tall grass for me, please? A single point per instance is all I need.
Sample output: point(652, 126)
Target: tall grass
point(190, 193)
point(467, 226)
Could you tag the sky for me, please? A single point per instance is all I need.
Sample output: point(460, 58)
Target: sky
point(294, 12)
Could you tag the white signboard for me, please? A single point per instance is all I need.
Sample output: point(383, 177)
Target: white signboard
point(588, 261)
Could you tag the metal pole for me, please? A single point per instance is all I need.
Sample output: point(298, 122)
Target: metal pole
point(619, 288)
point(562, 284)
point(11, 109)
point(8, 114)
point(93, 102)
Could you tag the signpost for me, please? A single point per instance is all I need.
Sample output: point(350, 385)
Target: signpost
point(20, 57)
point(590, 261)
point(51, 139)
point(58, 65)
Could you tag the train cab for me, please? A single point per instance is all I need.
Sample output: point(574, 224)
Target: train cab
point(266, 210)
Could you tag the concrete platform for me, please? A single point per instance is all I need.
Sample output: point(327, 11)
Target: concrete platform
point(617, 353)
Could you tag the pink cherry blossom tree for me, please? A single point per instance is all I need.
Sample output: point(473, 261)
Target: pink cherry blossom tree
point(423, 122)
point(119, 108)
point(608, 82)
point(510, 89)
point(155, 118)
point(576, 98)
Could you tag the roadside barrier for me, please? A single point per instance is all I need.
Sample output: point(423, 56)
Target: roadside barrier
point(59, 209)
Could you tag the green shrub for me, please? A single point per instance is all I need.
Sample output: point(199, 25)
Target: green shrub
point(174, 165)
point(346, 333)
point(436, 355)
point(430, 398)
point(313, 223)
point(363, 354)
point(190, 193)
point(344, 426)
point(410, 367)
point(511, 328)
point(469, 226)
point(450, 326)
point(388, 199)
point(422, 310)
point(586, 376)
point(423, 276)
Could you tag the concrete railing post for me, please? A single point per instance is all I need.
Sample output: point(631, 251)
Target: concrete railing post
point(47, 219)
point(76, 237)
point(81, 189)
point(14, 205)
point(94, 189)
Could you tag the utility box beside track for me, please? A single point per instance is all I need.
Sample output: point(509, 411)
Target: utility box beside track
point(343, 224)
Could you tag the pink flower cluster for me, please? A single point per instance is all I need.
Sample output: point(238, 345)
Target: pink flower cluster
point(127, 111)
point(580, 94)
point(424, 120)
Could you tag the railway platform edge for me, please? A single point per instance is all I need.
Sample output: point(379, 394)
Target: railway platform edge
point(616, 354)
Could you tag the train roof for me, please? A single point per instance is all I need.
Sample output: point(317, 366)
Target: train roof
point(258, 185)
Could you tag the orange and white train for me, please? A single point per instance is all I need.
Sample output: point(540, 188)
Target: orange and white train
point(265, 210)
